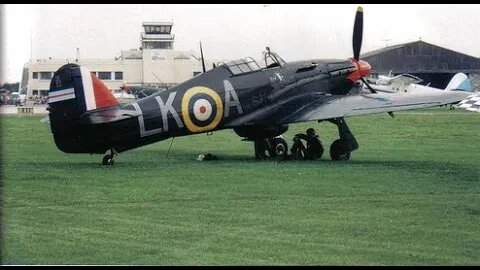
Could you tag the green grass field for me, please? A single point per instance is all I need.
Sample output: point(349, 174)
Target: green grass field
point(409, 196)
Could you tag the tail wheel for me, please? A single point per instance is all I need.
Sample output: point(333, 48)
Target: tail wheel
point(337, 151)
point(280, 147)
point(108, 160)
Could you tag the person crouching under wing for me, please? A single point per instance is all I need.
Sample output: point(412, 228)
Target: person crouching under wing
point(313, 150)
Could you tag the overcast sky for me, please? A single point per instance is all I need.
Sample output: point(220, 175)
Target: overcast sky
point(229, 31)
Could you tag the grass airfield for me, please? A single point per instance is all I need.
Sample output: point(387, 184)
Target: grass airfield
point(410, 195)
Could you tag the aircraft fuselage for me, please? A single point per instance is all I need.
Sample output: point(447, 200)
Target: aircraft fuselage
point(211, 101)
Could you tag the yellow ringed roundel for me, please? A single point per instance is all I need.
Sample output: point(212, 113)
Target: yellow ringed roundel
point(202, 109)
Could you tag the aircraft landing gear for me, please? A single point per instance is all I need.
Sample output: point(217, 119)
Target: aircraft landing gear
point(270, 148)
point(108, 158)
point(341, 148)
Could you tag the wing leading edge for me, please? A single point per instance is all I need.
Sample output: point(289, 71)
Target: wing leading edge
point(345, 106)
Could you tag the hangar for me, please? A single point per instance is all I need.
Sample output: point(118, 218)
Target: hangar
point(433, 64)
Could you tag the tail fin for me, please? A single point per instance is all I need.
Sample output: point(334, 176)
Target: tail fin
point(73, 91)
point(460, 82)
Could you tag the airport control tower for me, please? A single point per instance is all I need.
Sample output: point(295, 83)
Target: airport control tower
point(157, 35)
point(161, 63)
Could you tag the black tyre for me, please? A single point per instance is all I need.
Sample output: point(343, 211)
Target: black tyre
point(337, 152)
point(280, 148)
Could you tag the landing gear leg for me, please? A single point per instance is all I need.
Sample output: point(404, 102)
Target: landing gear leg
point(341, 148)
point(261, 146)
point(108, 158)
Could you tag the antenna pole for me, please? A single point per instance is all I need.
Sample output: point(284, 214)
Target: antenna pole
point(203, 61)
point(164, 85)
point(171, 142)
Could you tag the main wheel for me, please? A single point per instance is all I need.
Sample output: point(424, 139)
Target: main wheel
point(337, 152)
point(279, 148)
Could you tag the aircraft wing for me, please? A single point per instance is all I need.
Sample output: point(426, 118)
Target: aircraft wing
point(328, 107)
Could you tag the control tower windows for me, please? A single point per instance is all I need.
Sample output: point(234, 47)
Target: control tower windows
point(158, 29)
point(158, 45)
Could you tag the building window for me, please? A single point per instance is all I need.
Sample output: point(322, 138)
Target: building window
point(35, 92)
point(94, 73)
point(118, 75)
point(35, 75)
point(104, 75)
point(45, 75)
point(195, 73)
point(158, 45)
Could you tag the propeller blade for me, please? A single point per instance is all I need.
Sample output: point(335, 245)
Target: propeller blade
point(357, 33)
point(203, 61)
point(369, 87)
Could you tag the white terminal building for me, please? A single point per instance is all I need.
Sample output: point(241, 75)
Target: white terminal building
point(156, 63)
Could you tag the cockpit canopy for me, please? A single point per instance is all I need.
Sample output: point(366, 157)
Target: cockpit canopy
point(242, 65)
point(249, 64)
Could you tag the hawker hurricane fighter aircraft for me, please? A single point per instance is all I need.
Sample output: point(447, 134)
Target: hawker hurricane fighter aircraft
point(257, 103)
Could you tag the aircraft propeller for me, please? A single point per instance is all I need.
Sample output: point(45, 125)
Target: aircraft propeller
point(357, 33)
point(363, 67)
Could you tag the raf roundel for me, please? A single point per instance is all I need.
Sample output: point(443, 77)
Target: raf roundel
point(202, 109)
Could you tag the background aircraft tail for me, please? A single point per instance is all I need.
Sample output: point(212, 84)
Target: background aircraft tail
point(460, 82)
point(73, 91)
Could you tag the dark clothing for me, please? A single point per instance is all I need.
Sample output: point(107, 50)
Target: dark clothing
point(313, 150)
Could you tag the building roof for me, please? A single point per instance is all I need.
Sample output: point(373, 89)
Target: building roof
point(157, 23)
point(418, 42)
point(420, 57)
point(383, 50)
